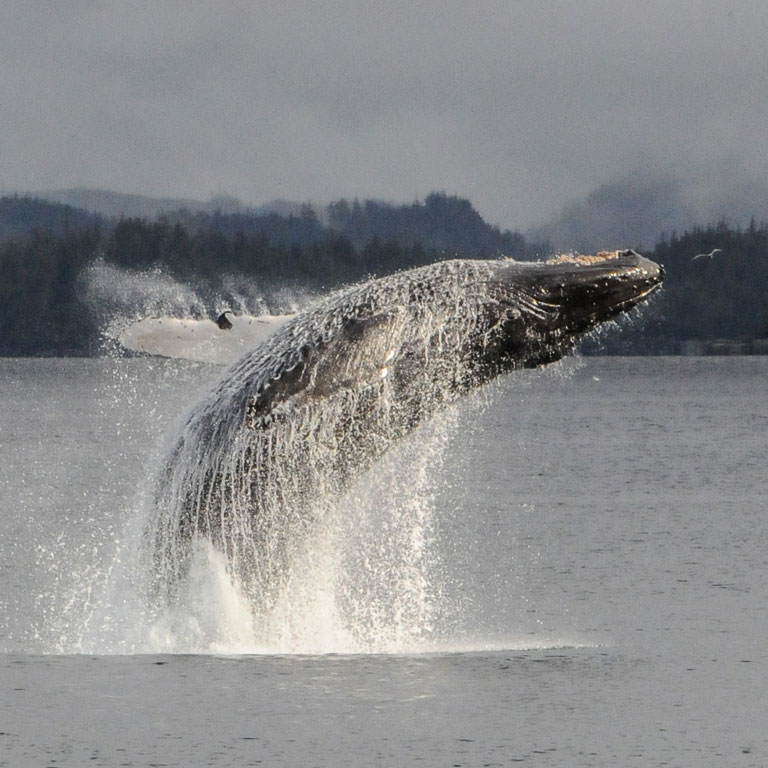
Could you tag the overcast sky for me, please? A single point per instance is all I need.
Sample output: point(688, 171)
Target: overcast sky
point(519, 105)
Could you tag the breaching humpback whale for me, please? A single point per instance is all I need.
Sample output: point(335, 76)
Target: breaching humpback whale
point(317, 402)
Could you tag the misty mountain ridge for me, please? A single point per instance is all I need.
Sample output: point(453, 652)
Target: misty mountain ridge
point(444, 223)
point(20, 217)
point(639, 210)
point(635, 210)
point(47, 248)
point(114, 205)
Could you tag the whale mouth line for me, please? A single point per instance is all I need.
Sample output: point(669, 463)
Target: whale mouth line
point(632, 301)
point(643, 294)
point(606, 314)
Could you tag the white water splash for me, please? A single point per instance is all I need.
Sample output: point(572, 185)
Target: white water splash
point(115, 291)
point(322, 564)
point(367, 581)
point(121, 297)
point(255, 541)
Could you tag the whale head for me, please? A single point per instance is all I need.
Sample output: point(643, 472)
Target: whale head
point(438, 331)
point(544, 308)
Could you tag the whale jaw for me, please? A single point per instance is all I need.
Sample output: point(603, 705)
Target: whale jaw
point(601, 287)
point(552, 304)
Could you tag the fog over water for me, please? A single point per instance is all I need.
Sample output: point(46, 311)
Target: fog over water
point(521, 107)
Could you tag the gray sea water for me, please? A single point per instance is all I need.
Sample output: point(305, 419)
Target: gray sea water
point(584, 582)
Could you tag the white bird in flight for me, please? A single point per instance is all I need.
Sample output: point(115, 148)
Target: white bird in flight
point(710, 255)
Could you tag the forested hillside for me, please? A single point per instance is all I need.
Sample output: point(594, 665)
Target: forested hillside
point(722, 296)
point(20, 217)
point(47, 248)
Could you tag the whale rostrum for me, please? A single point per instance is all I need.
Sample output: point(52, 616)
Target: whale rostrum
point(312, 406)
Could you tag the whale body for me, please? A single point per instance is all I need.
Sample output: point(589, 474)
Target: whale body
point(294, 420)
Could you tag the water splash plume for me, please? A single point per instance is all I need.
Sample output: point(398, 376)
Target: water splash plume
point(263, 474)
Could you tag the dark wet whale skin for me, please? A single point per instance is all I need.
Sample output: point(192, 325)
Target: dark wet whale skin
point(314, 405)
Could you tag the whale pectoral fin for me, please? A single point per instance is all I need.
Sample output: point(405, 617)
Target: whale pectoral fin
point(370, 341)
point(353, 359)
point(279, 390)
point(358, 328)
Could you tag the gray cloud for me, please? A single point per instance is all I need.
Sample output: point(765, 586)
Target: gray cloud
point(521, 106)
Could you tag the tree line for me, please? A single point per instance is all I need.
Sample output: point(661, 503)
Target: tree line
point(45, 248)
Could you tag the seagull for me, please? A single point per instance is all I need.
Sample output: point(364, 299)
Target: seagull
point(710, 255)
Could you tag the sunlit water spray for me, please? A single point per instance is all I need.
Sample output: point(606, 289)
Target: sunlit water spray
point(267, 530)
point(324, 555)
point(97, 605)
point(366, 579)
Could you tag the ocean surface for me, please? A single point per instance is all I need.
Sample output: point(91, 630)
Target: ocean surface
point(570, 568)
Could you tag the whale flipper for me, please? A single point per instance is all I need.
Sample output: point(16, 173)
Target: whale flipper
point(206, 341)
